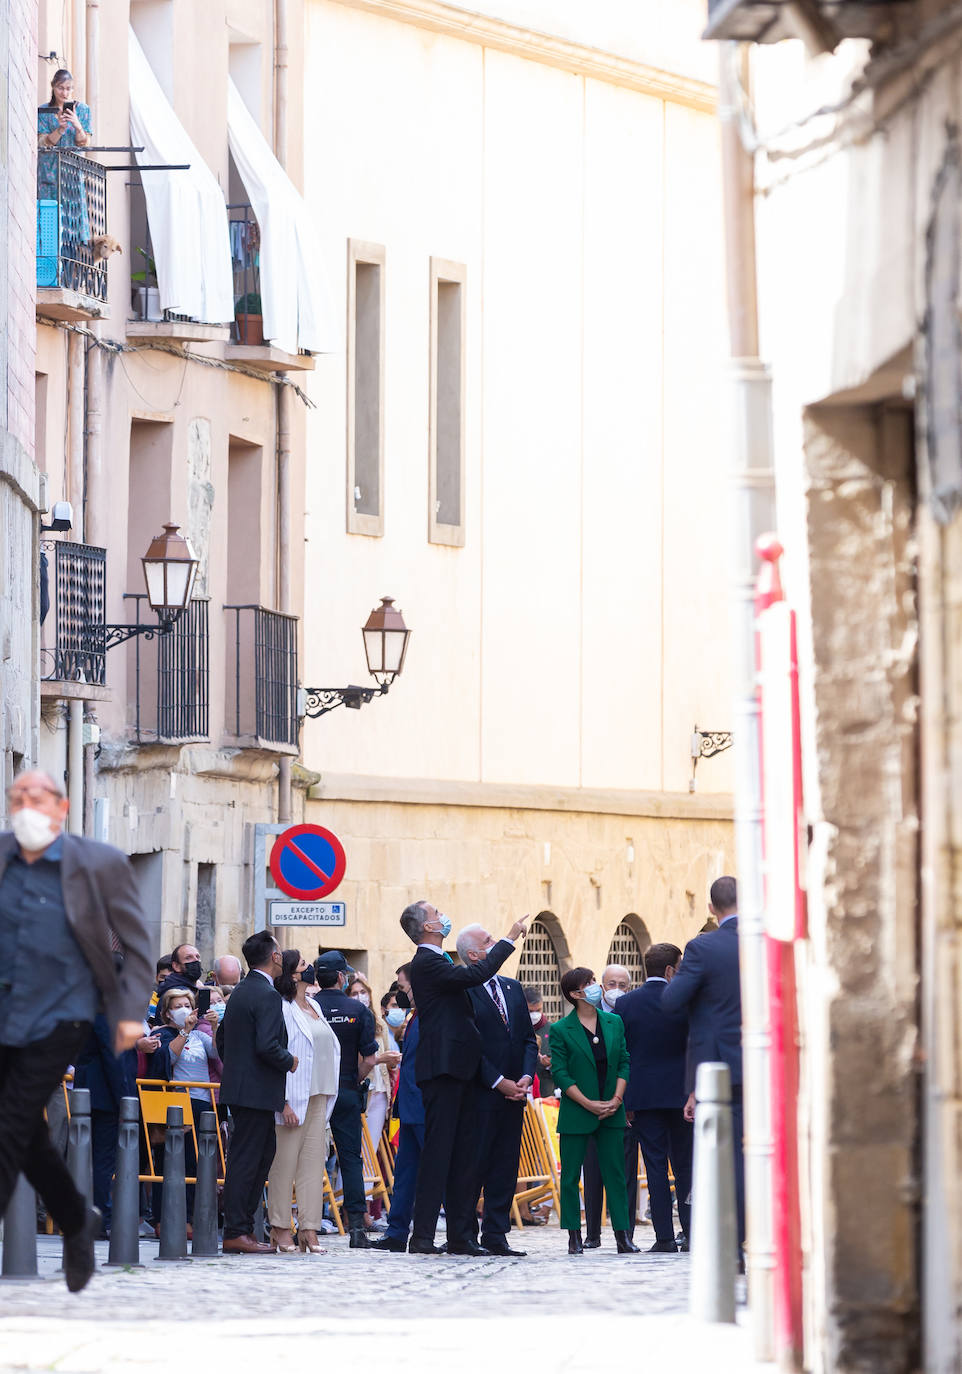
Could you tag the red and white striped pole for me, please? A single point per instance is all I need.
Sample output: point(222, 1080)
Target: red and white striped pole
point(785, 922)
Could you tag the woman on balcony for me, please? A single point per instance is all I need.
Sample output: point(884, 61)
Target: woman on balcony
point(64, 123)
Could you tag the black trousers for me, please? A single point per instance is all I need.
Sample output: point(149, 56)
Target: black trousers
point(346, 1130)
point(499, 1146)
point(28, 1076)
point(593, 1188)
point(249, 1162)
point(664, 1135)
point(448, 1168)
point(104, 1128)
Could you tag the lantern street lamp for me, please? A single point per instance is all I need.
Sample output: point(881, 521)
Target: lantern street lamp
point(385, 648)
point(170, 566)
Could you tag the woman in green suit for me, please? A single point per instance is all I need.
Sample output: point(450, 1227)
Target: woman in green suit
point(589, 1063)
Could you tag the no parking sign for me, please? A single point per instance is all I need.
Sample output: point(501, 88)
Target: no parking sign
point(307, 862)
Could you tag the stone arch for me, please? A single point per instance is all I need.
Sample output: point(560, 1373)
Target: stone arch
point(628, 945)
point(544, 958)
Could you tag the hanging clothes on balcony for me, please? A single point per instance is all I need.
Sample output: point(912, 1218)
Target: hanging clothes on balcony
point(186, 210)
point(295, 298)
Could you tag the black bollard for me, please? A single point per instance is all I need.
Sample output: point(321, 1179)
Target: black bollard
point(79, 1151)
point(205, 1193)
point(125, 1201)
point(173, 1222)
point(20, 1234)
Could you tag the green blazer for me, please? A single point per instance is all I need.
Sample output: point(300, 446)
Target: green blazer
point(572, 1063)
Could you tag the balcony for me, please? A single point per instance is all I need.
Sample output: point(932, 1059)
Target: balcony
point(247, 342)
point(261, 687)
point(71, 216)
point(770, 21)
point(72, 647)
point(171, 672)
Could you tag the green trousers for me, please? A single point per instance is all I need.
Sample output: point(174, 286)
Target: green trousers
point(610, 1144)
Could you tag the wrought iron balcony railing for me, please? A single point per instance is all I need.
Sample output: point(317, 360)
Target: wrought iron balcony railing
point(172, 676)
point(71, 215)
point(262, 677)
point(72, 636)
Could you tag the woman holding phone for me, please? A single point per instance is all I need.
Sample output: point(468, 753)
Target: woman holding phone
point(61, 124)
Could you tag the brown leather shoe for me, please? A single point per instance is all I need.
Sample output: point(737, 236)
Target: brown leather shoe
point(244, 1245)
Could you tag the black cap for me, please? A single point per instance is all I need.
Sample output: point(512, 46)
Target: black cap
point(333, 960)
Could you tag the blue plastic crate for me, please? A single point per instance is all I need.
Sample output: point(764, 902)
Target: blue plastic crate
point(48, 242)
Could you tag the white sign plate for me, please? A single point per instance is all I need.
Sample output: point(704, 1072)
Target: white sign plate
point(308, 913)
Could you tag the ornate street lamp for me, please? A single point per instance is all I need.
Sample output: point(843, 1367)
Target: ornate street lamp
point(170, 566)
point(385, 648)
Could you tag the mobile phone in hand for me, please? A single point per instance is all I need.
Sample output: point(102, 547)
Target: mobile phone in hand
point(69, 106)
point(203, 1002)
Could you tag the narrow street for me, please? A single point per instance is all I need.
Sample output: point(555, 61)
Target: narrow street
point(351, 1308)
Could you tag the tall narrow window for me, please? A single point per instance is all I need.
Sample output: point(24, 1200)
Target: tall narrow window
point(365, 388)
point(446, 437)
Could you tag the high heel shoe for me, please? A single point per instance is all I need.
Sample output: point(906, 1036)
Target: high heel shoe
point(282, 1242)
point(575, 1246)
point(624, 1245)
point(307, 1240)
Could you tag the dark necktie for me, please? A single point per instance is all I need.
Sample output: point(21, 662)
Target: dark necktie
point(498, 999)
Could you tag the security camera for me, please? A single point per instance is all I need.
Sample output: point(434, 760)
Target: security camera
point(61, 517)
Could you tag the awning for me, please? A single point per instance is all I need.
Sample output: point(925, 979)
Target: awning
point(295, 298)
point(186, 211)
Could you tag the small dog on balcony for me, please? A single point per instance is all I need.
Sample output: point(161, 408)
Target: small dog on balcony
point(104, 245)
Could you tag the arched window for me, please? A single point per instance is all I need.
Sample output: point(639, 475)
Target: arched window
point(628, 945)
point(540, 963)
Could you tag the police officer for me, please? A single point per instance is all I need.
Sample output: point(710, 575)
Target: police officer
point(353, 1024)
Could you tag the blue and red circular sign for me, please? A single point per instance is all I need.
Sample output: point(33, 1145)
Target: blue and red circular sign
point(307, 862)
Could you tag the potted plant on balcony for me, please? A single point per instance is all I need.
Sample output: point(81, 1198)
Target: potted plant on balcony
point(146, 299)
point(250, 319)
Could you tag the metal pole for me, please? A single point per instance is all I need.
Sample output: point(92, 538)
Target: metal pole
point(79, 1151)
point(714, 1234)
point(20, 1233)
point(173, 1221)
point(125, 1201)
point(753, 492)
point(205, 1194)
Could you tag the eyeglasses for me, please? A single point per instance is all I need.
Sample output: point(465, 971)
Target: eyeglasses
point(33, 796)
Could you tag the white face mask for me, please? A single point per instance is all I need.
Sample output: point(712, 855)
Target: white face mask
point(32, 829)
point(612, 995)
point(535, 1017)
point(179, 1016)
point(363, 998)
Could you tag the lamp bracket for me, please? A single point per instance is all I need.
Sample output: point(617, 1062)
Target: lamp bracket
point(319, 700)
point(104, 637)
point(704, 745)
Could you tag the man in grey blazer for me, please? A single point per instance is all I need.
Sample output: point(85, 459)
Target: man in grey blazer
point(66, 906)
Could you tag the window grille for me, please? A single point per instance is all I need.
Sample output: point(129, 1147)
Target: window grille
point(626, 949)
point(540, 967)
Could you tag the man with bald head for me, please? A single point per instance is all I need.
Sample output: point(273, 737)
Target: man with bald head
point(74, 943)
point(227, 971)
point(615, 982)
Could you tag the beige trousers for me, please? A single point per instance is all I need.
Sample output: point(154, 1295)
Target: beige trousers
point(299, 1166)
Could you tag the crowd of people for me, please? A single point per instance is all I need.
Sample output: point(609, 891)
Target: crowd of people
point(298, 1055)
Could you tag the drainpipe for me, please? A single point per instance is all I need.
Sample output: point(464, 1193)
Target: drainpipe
point(75, 431)
point(753, 490)
point(284, 513)
point(75, 766)
point(280, 81)
point(92, 93)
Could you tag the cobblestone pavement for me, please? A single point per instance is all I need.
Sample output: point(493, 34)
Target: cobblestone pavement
point(413, 1312)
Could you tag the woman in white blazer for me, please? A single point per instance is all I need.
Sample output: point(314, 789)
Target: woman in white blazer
point(302, 1126)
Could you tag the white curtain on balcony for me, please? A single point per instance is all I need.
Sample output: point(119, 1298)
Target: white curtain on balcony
point(295, 298)
point(186, 210)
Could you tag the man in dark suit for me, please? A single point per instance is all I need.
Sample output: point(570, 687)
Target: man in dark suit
point(509, 1058)
point(657, 1043)
point(66, 905)
point(708, 988)
point(410, 1112)
point(252, 1042)
point(449, 1053)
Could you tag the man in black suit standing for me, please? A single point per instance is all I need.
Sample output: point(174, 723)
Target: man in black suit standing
point(448, 1056)
point(708, 988)
point(252, 1042)
point(509, 1058)
point(657, 1043)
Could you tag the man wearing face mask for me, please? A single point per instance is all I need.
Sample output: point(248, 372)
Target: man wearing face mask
point(353, 1025)
point(185, 971)
point(615, 982)
point(449, 1054)
point(252, 1042)
point(65, 897)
